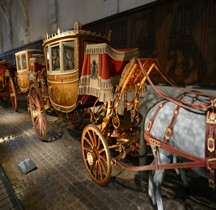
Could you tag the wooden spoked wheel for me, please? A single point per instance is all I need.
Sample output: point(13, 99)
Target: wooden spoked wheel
point(77, 115)
point(12, 94)
point(37, 111)
point(96, 154)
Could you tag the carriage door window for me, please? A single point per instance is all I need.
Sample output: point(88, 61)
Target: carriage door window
point(68, 55)
point(19, 62)
point(24, 63)
point(55, 58)
point(47, 59)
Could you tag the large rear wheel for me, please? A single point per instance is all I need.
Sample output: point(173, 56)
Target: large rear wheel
point(96, 154)
point(12, 94)
point(37, 111)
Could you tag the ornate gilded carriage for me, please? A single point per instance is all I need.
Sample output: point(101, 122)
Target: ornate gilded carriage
point(7, 87)
point(64, 54)
point(82, 69)
point(29, 63)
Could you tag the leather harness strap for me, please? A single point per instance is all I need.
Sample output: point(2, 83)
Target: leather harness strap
point(209, 105)
point(169, 130)
point(197, 107)
point(210, 151)
point(195, 161)
point(151, 121)
point(209, 162)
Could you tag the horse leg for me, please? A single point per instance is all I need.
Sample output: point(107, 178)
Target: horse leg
point(175, 161)
point(184, 178)
point(151, 187)
point(154, 183)
point(181, 172)
point(157, 180)
point(142, 152)
point(163, 158)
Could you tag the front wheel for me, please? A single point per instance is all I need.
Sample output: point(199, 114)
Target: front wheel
point(96, 154)
point(37, 111)
point(12, 94)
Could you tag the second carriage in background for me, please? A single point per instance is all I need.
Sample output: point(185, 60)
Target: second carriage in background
point(29, 64)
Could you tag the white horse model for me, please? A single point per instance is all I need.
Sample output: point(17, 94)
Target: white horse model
point(188, 135)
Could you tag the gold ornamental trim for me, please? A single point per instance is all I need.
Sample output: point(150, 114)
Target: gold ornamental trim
point(209, 161)
point(61, 108)
point(168, 134)
point(104, 48)
point(149, 125)
point(76, 31)
point(155, 142)
point(211, 117)
point(68, 78)
point(63, 82)
point(211, 144)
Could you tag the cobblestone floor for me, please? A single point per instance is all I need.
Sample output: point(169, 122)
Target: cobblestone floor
point(61, 182)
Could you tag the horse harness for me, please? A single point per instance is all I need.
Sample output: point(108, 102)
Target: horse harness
point(210, 149)
point(210, 152)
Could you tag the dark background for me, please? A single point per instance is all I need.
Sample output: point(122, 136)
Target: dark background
point(179, 33)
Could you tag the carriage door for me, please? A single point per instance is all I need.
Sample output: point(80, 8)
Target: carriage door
point(62, 76)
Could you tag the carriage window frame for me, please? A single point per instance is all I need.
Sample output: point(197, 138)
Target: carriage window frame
point(68, 45)
point(39, 57)
point(58, 57)
point(48, 58)
point(24, 61)
point(18, 61)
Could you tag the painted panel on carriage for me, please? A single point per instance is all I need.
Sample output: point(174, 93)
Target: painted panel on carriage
point(63, 91)
point(23, 82)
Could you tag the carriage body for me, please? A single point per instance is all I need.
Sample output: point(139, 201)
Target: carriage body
point(7, 87)
point(81, 65)
point(28, 62)
point(64, 53)
point(81, 69)
point(58, 90)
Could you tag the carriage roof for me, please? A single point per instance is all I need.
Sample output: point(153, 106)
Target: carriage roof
point(67, 47)
point(23, 58)
point(75, 32)
point(29, 51)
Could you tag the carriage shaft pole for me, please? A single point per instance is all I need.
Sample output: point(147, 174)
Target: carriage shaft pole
point(195, 164)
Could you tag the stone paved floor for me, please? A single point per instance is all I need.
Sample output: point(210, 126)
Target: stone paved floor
point(8, 199)
point(61, 182)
